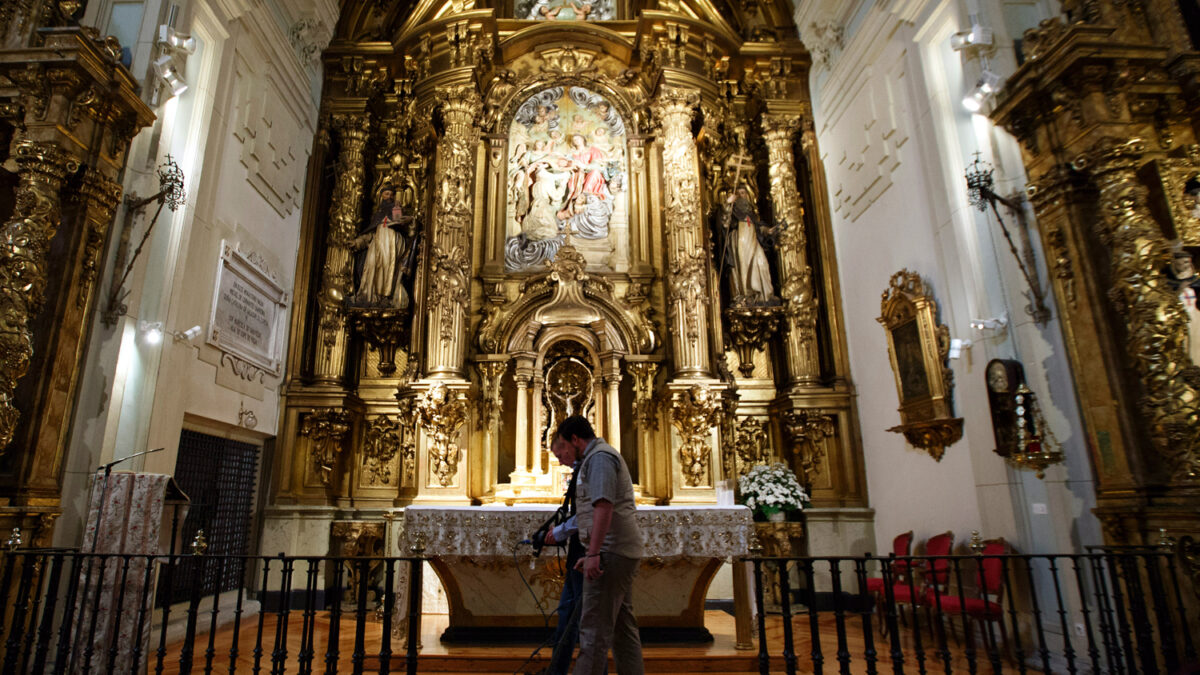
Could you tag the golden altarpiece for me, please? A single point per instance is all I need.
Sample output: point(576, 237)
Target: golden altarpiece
point(68, 112)
point(514, 214)
point(1105, 108)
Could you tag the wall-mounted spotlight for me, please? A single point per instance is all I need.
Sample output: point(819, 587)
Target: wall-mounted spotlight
point(152, 331)
point(187, 335)
point(957, 346)
point(987, 85)
point(165, 67)
point(181, 42)
point(978, 36)
point(992, 323)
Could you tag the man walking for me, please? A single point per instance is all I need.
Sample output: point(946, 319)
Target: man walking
point(608, 529)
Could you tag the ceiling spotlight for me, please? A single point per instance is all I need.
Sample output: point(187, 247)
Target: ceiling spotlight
point(987, 85)
point(176, 41)
point(978, 36)
point(169, 72)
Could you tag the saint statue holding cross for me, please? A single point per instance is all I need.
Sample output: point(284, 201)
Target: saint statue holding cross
point(743, 246)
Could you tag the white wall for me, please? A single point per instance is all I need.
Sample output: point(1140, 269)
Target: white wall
point(242, 134)
point(895, 142)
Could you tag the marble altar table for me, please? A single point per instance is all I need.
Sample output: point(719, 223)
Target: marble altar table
point(476, 554)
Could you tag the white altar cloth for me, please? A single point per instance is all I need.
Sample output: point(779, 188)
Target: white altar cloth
point(475, 551)
point(667, 531)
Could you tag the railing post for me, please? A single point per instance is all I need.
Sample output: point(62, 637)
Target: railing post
point(262, 614)
point(814, 627)
point(47, 628)
point(360, 648)
point(1162, 613)
point(279, 655)
point(145, 606)
point(309, 618)
point(389, 606)
point(167, 587)
point(414, 607)
point(1068, 648)
point(332, 651)
point(764, 656)
point(115, 636)
point(785, 599)
point(839, 614)
point(1189, 646)
point(968, 635)
point(211, 651)
point(890, 615)
point(12, 647)
point(237, 615)
point(864, 610)
point(1093, 652)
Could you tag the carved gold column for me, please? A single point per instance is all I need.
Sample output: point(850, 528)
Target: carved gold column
point(1156, 327)
point(450, 250)
point(687, 255)
point(344, 215)
point(26, 241)
point(94, 205)
point(800, 303)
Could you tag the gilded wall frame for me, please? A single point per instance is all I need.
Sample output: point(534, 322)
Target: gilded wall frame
point(918, 347)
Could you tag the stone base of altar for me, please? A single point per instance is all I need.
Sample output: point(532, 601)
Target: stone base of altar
point(490, 603)
point(498, 591)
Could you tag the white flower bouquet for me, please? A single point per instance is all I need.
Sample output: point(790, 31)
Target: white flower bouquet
point(771, 488)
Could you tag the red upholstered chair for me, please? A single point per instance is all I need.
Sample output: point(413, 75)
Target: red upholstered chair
point(901, 548)
point(936, 573)
point(989, 582)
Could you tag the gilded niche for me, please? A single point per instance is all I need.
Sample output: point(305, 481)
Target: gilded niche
point(919, 347)
point(566, 177)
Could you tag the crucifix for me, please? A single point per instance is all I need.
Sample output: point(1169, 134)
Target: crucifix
point(740, 161)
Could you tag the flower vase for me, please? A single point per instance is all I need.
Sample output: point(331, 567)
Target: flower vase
point(776, 517)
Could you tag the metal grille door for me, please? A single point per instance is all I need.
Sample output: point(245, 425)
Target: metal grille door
point(218, 476)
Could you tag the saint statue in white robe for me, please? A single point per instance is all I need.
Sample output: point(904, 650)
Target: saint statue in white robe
point(743, 254)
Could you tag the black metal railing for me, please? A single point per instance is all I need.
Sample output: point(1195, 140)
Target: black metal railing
point(63, 610)
point(1116, 610)
point(1128, 610)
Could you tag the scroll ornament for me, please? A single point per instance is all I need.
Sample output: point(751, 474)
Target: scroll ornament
point(327, 429)
point(380, 445)
point(644, 404)
point(753, 443)
point(806, 431)
point(441, 413)
point(489, 405)
point(695, 412)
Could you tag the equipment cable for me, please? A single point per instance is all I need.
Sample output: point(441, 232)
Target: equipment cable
point(537, 601)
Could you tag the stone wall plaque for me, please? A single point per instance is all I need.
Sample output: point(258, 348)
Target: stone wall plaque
point(248, 311)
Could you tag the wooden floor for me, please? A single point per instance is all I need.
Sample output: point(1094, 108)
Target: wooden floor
point(718, 657)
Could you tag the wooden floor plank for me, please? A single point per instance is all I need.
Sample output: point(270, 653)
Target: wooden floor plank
point(712, 659)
